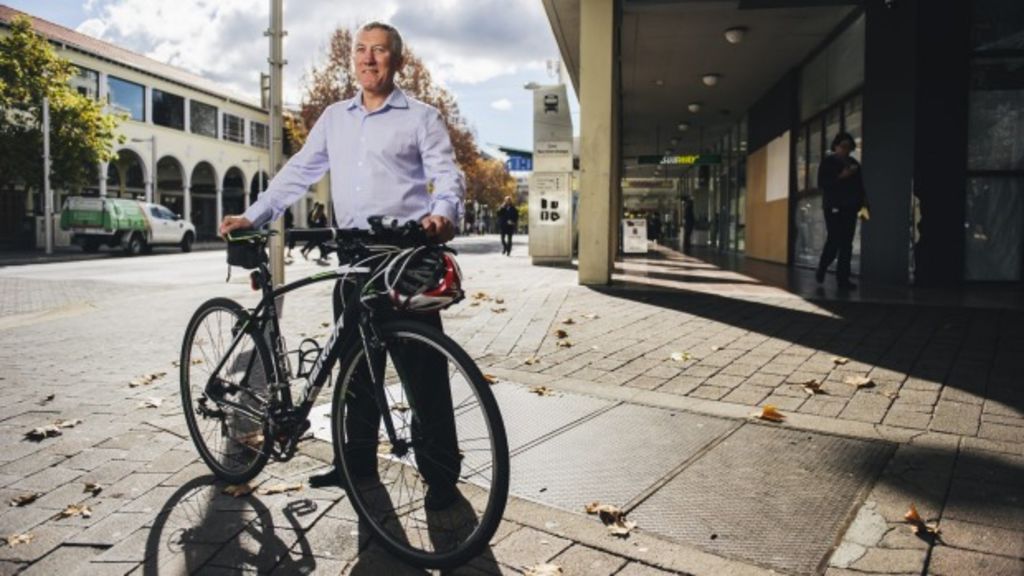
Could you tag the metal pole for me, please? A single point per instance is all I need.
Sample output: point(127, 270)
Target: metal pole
point(277, 62)
point(47, 193)
point(151, 193)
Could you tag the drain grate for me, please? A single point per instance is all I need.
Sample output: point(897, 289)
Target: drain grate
point(771, 496)
point(613, 457)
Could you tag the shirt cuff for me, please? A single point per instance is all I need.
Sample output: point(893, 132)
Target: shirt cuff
point(257, 214)
point(442, 208)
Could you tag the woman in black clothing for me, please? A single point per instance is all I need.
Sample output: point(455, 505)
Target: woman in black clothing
point(508, 218)
point(839, 178)
point(317, 219)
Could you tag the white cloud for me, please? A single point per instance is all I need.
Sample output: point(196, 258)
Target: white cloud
point(93, 27)
point(462, 41)
point(504, 104)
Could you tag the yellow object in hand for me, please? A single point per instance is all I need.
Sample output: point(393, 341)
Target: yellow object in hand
point(864, 213)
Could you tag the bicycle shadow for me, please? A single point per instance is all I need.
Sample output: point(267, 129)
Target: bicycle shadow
point(199, 527)
point(444, 529)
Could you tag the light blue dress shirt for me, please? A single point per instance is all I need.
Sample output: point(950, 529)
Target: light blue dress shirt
point(381, 162)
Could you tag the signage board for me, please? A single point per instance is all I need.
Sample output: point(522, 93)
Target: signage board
point(634, 236)
point(552, 130)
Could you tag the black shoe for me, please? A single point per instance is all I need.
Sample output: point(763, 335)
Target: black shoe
point(819, 275)
point(330, 478)
point(440, 496)
point(334, 477)
point(847, 285)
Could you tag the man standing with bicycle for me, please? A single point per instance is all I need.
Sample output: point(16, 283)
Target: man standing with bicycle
point(382, 149)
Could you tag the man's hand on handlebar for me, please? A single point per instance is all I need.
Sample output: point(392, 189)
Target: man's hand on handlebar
point(232, 223)
point(437, 228)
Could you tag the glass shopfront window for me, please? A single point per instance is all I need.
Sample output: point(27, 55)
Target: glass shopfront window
point(127, 98)
point(994, 200)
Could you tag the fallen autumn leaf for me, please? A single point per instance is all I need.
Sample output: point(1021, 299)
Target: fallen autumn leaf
point(612, 517)
point(564, 344)
point(490, 378)
point(770, 413)
point(561, 334)
point(280, 489)
point(544, 570)
point(840, 360)
point(568, 321)
point(542, 391)
point(151, 403)
point(43, 432)
point(25, 499)
point(18, 539)
point(93, 488)
point(531, 361)
point(859, 381)
point(238, 490)
point(75, 510)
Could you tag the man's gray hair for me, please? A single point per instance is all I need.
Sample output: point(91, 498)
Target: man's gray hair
point(394, 38)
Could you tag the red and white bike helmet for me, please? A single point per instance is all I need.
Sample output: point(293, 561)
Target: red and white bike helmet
point(424, 280)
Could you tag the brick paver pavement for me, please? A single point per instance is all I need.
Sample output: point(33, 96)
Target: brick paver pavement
point(672, 332)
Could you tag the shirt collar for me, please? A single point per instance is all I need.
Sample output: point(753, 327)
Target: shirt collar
point(397, 99)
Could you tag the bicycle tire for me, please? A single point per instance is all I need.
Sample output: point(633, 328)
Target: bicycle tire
point(483, 492)
point(248, 440)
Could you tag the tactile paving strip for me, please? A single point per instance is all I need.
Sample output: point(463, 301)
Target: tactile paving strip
point(613, 457)
point(771, 496)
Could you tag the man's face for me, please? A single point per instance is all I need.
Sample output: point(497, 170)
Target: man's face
point(374, 63)
point(844, 148)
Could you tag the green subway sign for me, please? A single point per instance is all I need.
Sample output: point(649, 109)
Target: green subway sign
point(682, 160)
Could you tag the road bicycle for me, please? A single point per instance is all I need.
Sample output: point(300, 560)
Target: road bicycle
point(405, 393)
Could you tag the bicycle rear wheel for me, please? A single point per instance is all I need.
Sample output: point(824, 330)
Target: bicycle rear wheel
point(224, 408)
point(449, 434)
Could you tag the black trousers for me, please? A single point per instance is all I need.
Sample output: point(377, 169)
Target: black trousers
point(506, 239)
point(841, 224)
point(428, 393)
point(687, 239)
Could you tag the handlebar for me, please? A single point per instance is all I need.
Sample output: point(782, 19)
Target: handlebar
point(383, 230)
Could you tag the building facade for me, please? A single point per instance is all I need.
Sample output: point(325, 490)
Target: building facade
point(189, 144)
point(751, 95)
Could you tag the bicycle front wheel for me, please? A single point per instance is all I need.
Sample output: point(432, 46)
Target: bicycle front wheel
point(435, 489)
point(225, 386)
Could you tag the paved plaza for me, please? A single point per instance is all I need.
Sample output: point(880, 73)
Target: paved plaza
point(919, 401)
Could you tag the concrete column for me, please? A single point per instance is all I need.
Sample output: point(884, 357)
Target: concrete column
point(188, 115)
point(598, 140)
point(220, 203)
point(103, 179)
point(187, 193)
point(149, 105)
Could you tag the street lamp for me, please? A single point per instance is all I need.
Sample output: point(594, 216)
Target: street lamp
point(151, 181)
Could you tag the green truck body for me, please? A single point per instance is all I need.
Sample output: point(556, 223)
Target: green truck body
point(133, 225)
point(102, 215)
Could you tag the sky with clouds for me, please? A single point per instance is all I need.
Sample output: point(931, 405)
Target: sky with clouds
point(483, 51)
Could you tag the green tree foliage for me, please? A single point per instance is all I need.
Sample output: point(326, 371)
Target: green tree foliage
point(81, 133)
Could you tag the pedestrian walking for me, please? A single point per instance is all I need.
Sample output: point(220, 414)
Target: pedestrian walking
point(843, 198)
point(688, 222)
point(317, 219)
point(508, 218)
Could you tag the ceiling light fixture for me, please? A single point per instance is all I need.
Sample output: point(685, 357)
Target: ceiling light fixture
point(693, 107)
point(710, 79)
point(659, 82)
point(735, 34)
point(673, 141)
point(683, 126)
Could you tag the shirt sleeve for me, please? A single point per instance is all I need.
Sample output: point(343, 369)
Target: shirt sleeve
point(440, 167)
point(291, 183)
point(828, 173)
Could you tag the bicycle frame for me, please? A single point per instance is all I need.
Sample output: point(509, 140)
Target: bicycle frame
point(345, 329)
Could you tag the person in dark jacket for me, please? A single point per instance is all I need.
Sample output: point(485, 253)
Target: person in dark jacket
point(842, 185)
point(688, 222)
point(508, 218)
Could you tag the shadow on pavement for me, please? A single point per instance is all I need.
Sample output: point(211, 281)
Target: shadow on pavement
point(972, 350)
